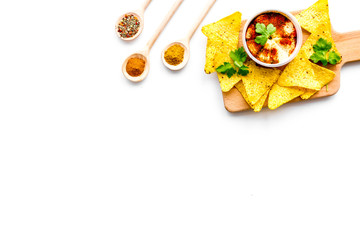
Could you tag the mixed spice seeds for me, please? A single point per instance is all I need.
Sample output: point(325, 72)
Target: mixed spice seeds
point(128, 26)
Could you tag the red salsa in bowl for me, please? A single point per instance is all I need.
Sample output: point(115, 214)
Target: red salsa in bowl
point(271, 38)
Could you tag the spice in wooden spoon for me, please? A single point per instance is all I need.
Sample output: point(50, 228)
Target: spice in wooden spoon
point(128, 26)
point(174, 55)
point(135, 66)
point(143, 55)
point(177, 54)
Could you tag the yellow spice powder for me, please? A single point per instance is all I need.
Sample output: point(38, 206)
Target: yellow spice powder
point(174, 55)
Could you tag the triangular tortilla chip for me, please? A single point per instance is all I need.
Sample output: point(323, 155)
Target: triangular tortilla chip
point(217, 53)
point(223, 54)
point(280, 95)
point(223, 37)
point(317, 14)
point(323, 75)
point(259, 105)
point(259, 81)
point(240, 86)
point(210, 56)
point(299, 73)
point(321, 32)
point(227, 28)
point(227, 83)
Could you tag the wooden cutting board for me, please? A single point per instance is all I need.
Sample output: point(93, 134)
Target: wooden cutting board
point(348, 45)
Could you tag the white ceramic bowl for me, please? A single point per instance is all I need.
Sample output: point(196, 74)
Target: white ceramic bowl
point(298, 42)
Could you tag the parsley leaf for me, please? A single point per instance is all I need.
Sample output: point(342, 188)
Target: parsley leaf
point(322, 45)
point(225, 67)
point(230, 72)
point(334, 58)
point(260, 28)
point(239, 56)
point(265, 31)
point(243, 70)
point(319, 56)
point(321, 49)
point(271, 29)
point(261, 40)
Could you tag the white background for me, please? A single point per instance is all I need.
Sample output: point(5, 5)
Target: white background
point(85, 154)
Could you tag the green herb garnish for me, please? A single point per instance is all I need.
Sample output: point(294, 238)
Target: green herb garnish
point(226, 68)
point(243, 70)
point(319, 57)
point(321, 53)
point(265, 31)
point(239, 56)
point(334, 58)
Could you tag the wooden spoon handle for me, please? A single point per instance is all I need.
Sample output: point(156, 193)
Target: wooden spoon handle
point(201, 18)
point(163, 24)
point(145, 5)
point(349, 46)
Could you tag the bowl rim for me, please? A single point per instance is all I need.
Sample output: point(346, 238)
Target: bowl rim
point(299, 38)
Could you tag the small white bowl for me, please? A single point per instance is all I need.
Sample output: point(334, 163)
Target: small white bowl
point(299, 39)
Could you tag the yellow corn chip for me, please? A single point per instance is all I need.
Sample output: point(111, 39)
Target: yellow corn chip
point(321, 32)
point(223, 54)
point(210, 57)
point(280, 95)
point(323, 75)
point(227, 28)
point(308, 94)
point(259, 81)
point(227, 83)
point(240, 86)
point(299, 73)
point(223, 37)
point(317, 14)
point(259, 105)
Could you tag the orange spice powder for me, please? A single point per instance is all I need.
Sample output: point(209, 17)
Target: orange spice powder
point(135, 67)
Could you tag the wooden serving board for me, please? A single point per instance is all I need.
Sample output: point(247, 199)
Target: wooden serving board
point(348, 45)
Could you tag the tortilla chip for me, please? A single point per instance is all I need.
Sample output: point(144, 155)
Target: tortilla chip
point(321, 32)
point(259, 81)
point(280, 95)
point(317, 14)
point(227, 83)
point(240, 86)
point(223, 54)
point(210, 56)
point(323, 75)
point(217, 53)
point(308, 94)
point(259, 105)
point(226, 29)
point(299, 73)
point(223, 37)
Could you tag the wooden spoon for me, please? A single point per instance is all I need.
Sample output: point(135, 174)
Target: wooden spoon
point(185, 43)
point(145, 53)
point(140, 15)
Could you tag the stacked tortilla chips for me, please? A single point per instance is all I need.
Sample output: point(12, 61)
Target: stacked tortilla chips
point(223, 37)
point(320, 32)
point(300, 78)
point(255, 87)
